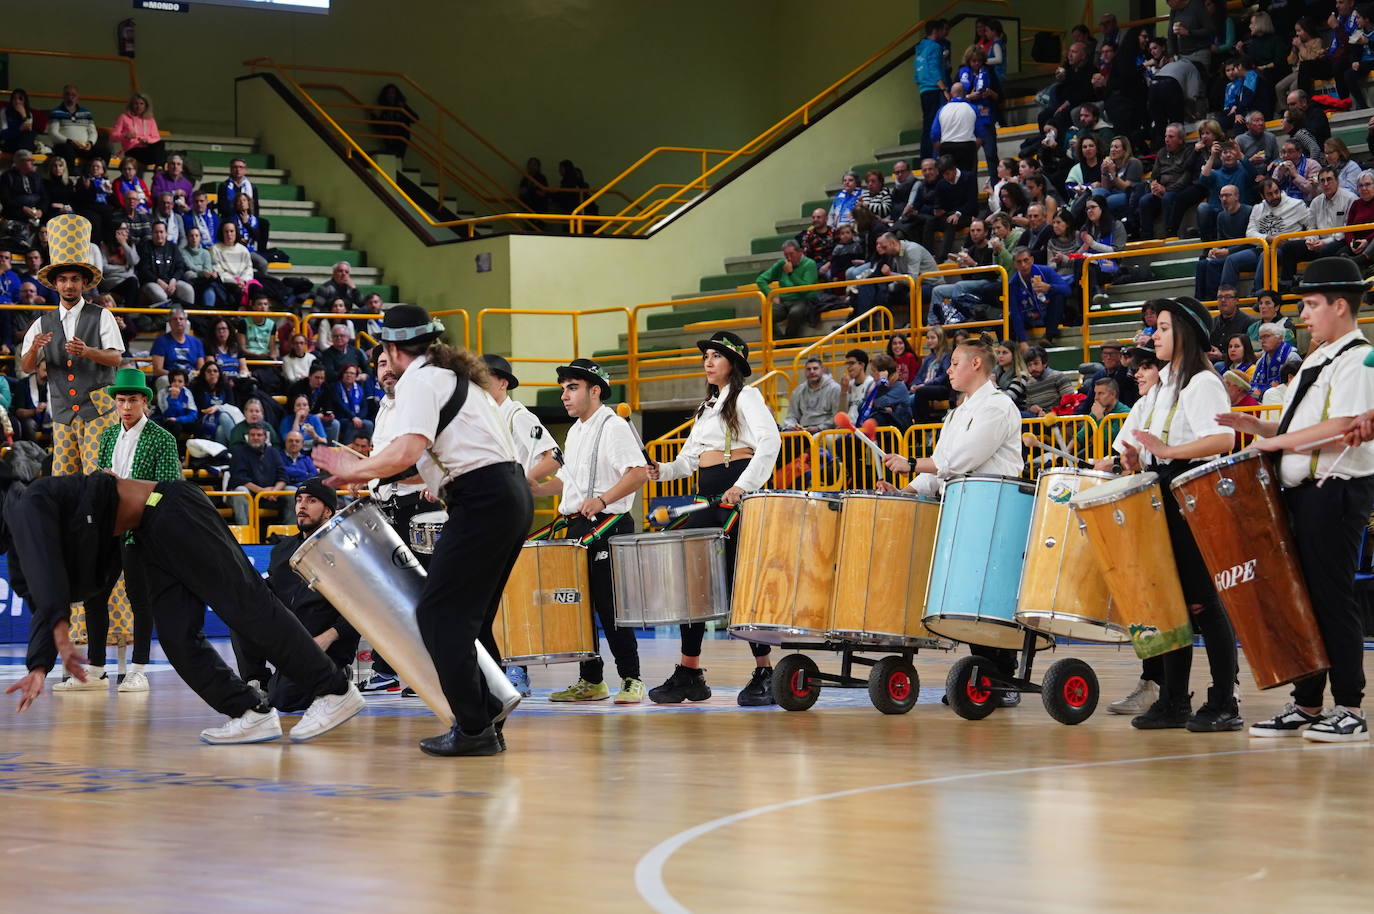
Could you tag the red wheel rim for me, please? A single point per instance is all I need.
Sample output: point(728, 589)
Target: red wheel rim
point(798, 684)
point(978, 693)
point(1075, 691)
point(899, 686)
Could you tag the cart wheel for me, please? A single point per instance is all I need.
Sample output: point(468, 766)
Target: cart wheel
point(970, 700)
point(893, 685)
point(1069, 691)
point(793, 685)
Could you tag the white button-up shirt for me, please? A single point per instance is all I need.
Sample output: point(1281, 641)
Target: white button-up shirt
point(1346, 388)
point(381, 437)
point(532, 440)
point(110, 337)
point(982, 436)
point(616, 451)
point(1199, 404)
point(123, 460)
point(758, 430)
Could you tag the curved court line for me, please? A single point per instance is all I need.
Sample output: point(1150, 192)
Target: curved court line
point(649, 870)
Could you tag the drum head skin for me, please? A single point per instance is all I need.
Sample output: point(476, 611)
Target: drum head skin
point(1228, 460)
point(1119, 488)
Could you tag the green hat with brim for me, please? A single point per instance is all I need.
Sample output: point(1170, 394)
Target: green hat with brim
point(130, 381)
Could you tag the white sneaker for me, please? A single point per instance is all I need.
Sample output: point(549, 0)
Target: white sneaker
point(326, 712)
point(96, 681)
point(252, 727)
point(1138, 702)
point(1340, 726)
point(135, 681)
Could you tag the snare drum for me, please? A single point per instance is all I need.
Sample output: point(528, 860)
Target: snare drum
point(784, 566)
point(979, 548)
point(425, 529)
point(1062, 593)
point(545, 614)
point(1232, 505)
point(1124, 523)
point(882, 568)
point(669, 578)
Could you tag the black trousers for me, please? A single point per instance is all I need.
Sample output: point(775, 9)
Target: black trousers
point(714, 481)
point(965, 155)
point(282, 693)
point(1206, 613)
point(399, 511)
point(190, 560)
point(489, 514)
point(1327, 525)
point(98, 615)
point(624, 647)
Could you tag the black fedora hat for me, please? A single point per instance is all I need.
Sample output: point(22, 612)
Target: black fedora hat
point(731, 346)
point(498, 366)
point(409, 324)
point(1145, 350)
point(587, 370)
point(1333, 274)
point(1192, 314)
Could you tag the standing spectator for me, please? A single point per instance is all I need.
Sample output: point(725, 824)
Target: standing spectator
point(340, 287)
point(842, 207)
point(1223, 166)
point(572, 189)
point(956, 202)
point(162, 271)
point(235, 186)
point(1173, 185)
point(1126, 92)
point(303, 423)
point(818, 239)
point(341, 352)
point(396, 117)
point(1257, 144)
point(856, 383)
point(1190, 31)
point(1231, 222)
point(177, 348)
point(1175, 89)
point(791, 311)
point(295, 365)
point(1047, 386)
point(350, 403)
point(295, 460)
point(16, 124)
point(164, 213)
point(60, 186)
point(203, 218)
point(983, 90)
point(955, 130)
point(1265, 48)
point(71, 130)
point(214, 397)
point(254, 467)
point(233, 266)
point(993, 43)
point(1327, 210)
point(533, 192)
point(135, 133)
point(931, 79)
point(1337, 155)
point(95, 198)
point(171, 179)
point(1361, 59)
point(875, 197)
point(812, 405)
point(1231, 320)
point(1038, 294)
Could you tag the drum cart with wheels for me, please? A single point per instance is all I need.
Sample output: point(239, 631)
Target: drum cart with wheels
point(892, 682)
point(1069, 689)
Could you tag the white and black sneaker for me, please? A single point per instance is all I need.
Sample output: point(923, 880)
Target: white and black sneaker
point(1340, 726)
point(1291, 721)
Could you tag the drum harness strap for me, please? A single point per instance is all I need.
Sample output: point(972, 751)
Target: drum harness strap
point(1306, 380)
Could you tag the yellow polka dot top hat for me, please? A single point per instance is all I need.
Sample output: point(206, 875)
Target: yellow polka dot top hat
point(69, 245)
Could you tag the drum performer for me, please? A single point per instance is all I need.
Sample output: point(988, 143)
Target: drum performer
point(733, 446)
point(1182, 431)
point(980, 437)
point(1329, 493)
point(603, 468)
point(446, 425)
point(64, 535)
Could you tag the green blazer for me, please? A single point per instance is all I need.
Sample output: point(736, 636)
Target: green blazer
point(155, 456)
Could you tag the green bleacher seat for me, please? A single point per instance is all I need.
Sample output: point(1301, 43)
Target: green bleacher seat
point(668, 320)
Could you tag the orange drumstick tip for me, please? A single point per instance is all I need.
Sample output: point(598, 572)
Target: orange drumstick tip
point(659, 515)
point(842, 420)
point(622, 410)
point(870, 428)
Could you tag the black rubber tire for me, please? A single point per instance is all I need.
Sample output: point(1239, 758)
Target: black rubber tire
point(893, 685)
point(1070, 691)
point(965, 699)
point(793, 685)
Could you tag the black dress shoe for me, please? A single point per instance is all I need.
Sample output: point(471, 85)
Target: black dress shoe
point(457, 743)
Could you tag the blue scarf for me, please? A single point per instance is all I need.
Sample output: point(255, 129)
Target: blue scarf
point(1268, 367)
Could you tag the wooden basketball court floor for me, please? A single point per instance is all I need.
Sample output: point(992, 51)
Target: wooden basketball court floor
point(111, 802)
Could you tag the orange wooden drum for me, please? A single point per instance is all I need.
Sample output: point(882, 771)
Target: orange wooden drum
point(545, 614)
point(887, 542)
point(784, 566)
point(1232, 505)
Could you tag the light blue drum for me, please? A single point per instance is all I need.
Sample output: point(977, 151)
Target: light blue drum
point(980, 547)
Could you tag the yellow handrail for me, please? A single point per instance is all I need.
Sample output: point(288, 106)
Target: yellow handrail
point(918, 311)
point(1271, 262)
point(576, 338)
point(126, 62)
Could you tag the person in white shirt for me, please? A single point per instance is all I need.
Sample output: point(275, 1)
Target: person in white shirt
point(1182, 431)
point(1329, 493)
point(855, 383)
point(732, 446)
point(295, 365)
point(603, 468)
point(954, 132)
point(447, 426)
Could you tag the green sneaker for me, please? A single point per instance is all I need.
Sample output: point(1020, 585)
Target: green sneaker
point(582, 690)
point(631, 692)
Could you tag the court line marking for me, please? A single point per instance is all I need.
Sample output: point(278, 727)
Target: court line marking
point(649, 869)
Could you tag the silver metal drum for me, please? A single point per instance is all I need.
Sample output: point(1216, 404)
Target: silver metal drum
point(359, 564)
point(424, 531)
point(669, 578)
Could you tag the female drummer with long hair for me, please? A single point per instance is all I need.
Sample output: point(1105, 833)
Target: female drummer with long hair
point(1181, 430)
point(733, 446)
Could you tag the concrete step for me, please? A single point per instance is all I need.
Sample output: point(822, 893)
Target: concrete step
point(318, 240)
point(750, 265)
point(325, 257)
point(210, 143)
point(791, 227)
point(318, 273)
point(288, 221)
point(218, 173)
point(256, 161)
point(270, 207)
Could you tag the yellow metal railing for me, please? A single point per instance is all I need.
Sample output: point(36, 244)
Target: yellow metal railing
point(1271, 263)
point(125, 63)
point(918, 312)
point(576, 337)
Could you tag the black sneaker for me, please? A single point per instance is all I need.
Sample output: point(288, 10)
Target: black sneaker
point(686, 684)
point(1161, 716)
point(381, 682)
point(1291, 721)
point(1008, 699)
point(1212, 718)
point(1340, 726)
point(759, 691)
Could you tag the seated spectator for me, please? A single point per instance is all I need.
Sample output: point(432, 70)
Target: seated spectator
point(164, 212)
point(128, 182)
point(1301, 137)
point(31, 406)
point(296, 363)
point(60, 187)
point(1337, 156)
point(71, 130)
point(1047, 386)
point(812, 404)
point(1099, 234)
point(136, 135)
point(959, 300)
point(18, 322)
point(1037, 234)
point(1242, 86)
point(1327, 210)
point(1087, 122)
point(855, 383)
point(213, 393)
point(304, 423)
point(1269, 307)
point(171, 179)
point(1105, 401)
point(1011, 374)
point(120, 274)
point(324, 330)
point(254, 413)
point(1238, 390)
point(842, 207)
point(1257, 144)
point(9, 279)
point(1240, 358)
point(888, 402)
point(903, 186)
point(905, 361)
point(1265, 48)
point(16, 124)
point(1038, 294)
point(200, 270)
point(1230, 320)
point(1085, 178)
point(1073, 87)
point(930, 382)
point(23, 196)
point(258, 338)
point(1122, 178)
point(1149, 314)
point(1011, 201)
point(252, 229)
point(1276, 353)
point(299, 466)
point(1274, 395)
point(235, 186)
point(1232, 221)
point(1312, 117)
point(202, 217)
point(363, 445)
point(224, 349)
point(1223, 166)
point(314, 389)
point(162, 271)
point(1336, 55)
point(1173, 185)
point(817, 240)
point(349, 397)
point(1114, 369)
point(95, 198)
point(177, 348)
point(955, 131)
point(791, 311)
point(911, 218)
point(1307, 47)
point(254, 467)
point(371, 323)
point(956, 203)
point(1275, 215)
point(1005, 236)
point(233, 265)
point(177, 406)
point(894, 258)
point(134, 217)
point(875, 197)
point(338, 288)
point(1062, 246)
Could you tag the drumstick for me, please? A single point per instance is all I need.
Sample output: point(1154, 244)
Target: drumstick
point(663, 515)
point(1312, 446)
point(623, 411)
point(1321, 480)
point(1031, 441)
point(351, 451)
point(842, 420)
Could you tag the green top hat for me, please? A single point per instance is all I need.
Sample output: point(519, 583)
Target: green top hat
point(129, 381)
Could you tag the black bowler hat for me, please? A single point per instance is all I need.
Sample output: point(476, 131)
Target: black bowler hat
point(1145, 350)
point(1333, 274)
point(731, 346)
point(409, 324)
point(315, 487)
point(586, 370)
point(1192, 314)
point(498, 366)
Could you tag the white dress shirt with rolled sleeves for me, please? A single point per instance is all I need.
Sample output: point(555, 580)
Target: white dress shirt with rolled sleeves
point(1344, 389)
point(1199, 404)
point(981, 437)
point(605, 438)
point(757, 430)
